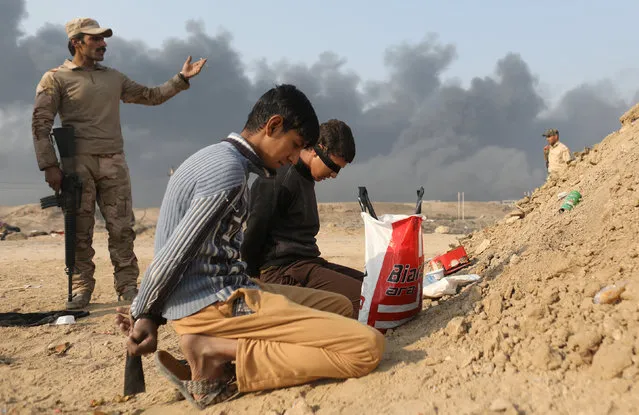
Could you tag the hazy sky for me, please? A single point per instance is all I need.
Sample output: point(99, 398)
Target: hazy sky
point(436, 92)
point(567, 42)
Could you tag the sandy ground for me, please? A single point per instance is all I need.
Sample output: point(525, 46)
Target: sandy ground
point(531, 337)
point(33, 380)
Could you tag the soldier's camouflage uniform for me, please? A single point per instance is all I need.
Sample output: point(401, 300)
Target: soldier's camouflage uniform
point(89, 100)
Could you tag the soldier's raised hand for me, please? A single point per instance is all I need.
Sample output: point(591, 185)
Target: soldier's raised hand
point(189, 69)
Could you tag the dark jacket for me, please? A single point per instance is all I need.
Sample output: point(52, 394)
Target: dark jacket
point(283, 220)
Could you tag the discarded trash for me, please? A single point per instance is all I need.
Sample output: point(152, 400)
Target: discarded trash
point(59, 349)
point(561, 195)
point(572, 199)
point(65, 320)
point(433, 276)
point(448, 285)
point(453, 260)
point(610, 294)
point(390, 294)
point(97, 402)
point(6, 229)
point(434, 265)
point(120, 398)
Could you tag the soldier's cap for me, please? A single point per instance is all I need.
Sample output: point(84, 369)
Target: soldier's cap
point(550, 132)
point(87, 26)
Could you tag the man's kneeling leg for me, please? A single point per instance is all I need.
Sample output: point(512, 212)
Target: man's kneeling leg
point(209, 377)
point(283, 343)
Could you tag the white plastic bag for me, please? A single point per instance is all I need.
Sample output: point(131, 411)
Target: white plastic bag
point(392, 288)
point(448, 285)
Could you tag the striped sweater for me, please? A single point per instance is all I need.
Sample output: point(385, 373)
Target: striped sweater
point(199, 232)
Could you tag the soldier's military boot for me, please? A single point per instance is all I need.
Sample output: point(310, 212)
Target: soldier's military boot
point(79, 300)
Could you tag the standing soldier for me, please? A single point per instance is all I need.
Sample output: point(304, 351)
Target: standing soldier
point(556, 154)
point(86, 95)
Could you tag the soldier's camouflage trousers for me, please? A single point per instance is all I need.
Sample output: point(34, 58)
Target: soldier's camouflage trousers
point(105, 180)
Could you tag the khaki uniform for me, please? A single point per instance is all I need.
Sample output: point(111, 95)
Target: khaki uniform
point(89, 100)
point(558, 157)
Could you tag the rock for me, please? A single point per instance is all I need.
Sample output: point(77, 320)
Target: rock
point(585, 343)
point(488, 368)
point(517, 213)
point(543, 357)
point(513, 219)
point(611, 359)
point(493, 305)
point(491, 344)
point(431, 361)
point(631, 293)
point(535, 312)
point(300, 407)
point(630, 116)
point(631, 372)
point(474, 294)
point(456, 327)
point(550, 296)
point(482, 247)
point(500, 359)
point(514, 259)
point(442, 229)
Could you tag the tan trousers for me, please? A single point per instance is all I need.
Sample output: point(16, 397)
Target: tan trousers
point(105, 179)
point(295, 336)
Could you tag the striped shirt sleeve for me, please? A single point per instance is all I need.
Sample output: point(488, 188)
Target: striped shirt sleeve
point(174, 257)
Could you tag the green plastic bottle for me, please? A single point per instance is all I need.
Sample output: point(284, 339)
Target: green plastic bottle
point(570, 201)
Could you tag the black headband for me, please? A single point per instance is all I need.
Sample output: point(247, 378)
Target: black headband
point(326, 159)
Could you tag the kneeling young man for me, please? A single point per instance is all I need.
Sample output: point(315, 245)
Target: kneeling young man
point(279, 243)
point(278, 336)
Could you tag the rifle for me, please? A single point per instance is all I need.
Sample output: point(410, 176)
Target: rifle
point(68, 198)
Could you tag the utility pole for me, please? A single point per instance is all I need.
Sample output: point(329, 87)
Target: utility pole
point(463, 207)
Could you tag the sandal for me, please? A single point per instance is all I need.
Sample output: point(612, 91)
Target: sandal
point(229, 370)
point(214, 391)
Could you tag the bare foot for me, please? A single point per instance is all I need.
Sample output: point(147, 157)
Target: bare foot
point(207, 355)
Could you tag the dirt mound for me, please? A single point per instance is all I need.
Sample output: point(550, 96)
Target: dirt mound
point(535, 312)
point(30, 218)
